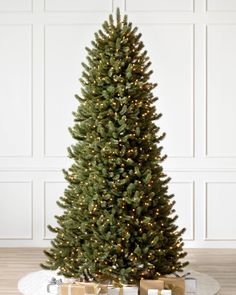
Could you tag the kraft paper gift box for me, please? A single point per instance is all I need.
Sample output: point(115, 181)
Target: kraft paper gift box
point(190, 282)
point(79, 288)
point(90, 288)
point(145, 285)
point(71, 289)
point(103, 289)
point(176, 285)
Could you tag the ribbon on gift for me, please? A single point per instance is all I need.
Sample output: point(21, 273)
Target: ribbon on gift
point(72, 288)
point(183, 276)
point(117, 285)
point(175, 284)
point(53, 282)
point(121, 289)
point(69, 286)
point(171, 287)
point(90, 287)
point(190, 282)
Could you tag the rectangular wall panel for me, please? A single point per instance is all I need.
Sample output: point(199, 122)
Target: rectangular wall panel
point(220, 211)
point(52, 192)
point(184, 197)
point(173, 71)
point(159, 5)
point(15, 90)
point(15, 5)
point(221, 91)
point(221, 5)
point(75, 5)
point(16, 210)
point(62, 71)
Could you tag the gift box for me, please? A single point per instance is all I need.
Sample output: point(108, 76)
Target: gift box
point(190, 282)
point(71, 289)
point(145, 285)
point(79, 288)
point(176, 285)
point(190, 285)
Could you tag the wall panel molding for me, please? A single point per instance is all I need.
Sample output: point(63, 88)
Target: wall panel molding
point(17, 89)
point(55, 142)
point(217, 87)
point(159, 5)
point(9, 6)
point(78, 6)
point(169, 64)
point(225, 219)
point(220, 5)
point(12, 221)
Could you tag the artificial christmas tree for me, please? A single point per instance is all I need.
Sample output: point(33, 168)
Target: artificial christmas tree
point(118, 221)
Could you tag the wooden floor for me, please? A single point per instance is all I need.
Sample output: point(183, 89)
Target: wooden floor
point(219, 263)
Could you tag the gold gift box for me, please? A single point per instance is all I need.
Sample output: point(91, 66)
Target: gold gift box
point(79, 288)
point(103, 289)
point(71, 289)
point(90, 288)
point(176, 285)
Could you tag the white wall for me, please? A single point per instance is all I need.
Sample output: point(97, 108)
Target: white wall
point(192, 45)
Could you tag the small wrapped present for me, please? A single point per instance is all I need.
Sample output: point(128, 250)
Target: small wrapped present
point(71, 289)
point(190, 282)
point(175, 284)
point(145, 285)
point(53, 286)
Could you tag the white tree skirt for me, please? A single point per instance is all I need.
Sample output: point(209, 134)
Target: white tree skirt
point(35, 283)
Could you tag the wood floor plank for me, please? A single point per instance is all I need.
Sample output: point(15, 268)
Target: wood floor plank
point(219, 263)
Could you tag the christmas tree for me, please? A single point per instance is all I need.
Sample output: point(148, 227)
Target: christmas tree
point(118, 221)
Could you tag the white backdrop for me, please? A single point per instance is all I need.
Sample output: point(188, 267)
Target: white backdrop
point(192, 45)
